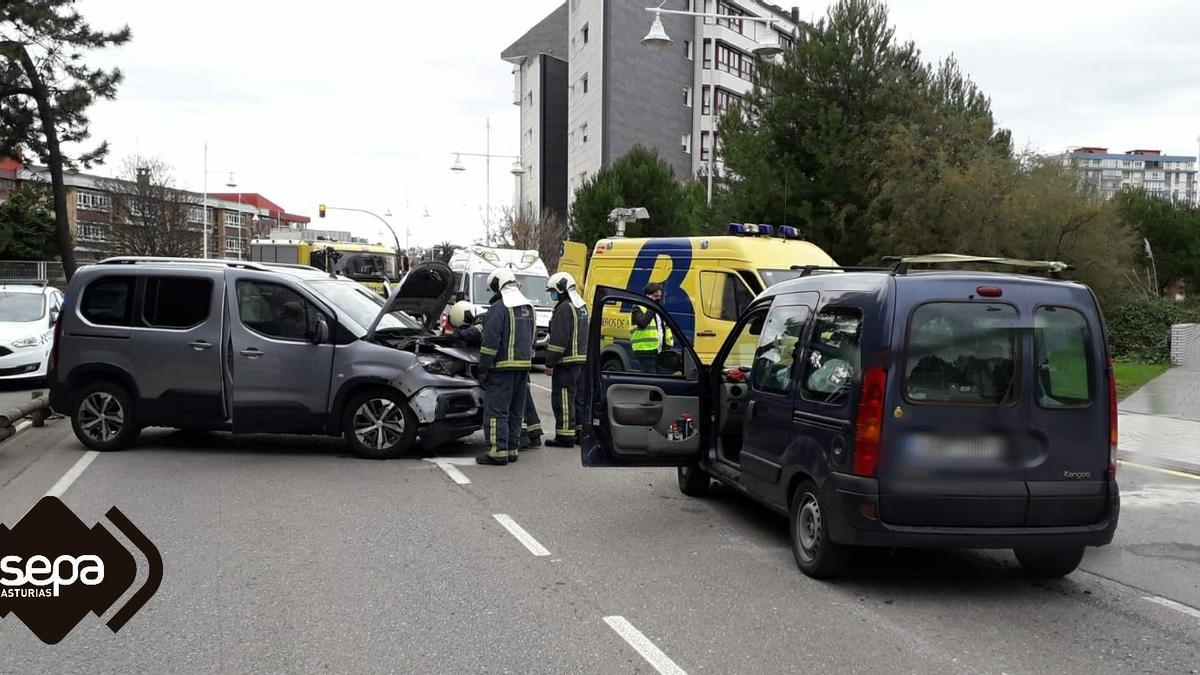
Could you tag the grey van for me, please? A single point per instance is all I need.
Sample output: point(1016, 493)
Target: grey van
point(889, 409)
point(260, 348)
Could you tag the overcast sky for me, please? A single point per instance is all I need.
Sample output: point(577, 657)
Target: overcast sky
point(362, 104)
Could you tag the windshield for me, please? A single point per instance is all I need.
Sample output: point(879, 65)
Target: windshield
point(372, 265)
point(960, 352)
point(533, 286)
point(21, 307)
point(362, 305)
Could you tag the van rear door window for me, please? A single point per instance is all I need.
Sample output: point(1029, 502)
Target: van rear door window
point(962, 353)
point(1062, 342)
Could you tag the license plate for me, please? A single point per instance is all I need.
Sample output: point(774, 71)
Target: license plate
point(933, 447)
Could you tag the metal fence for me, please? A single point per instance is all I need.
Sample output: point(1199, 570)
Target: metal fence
point(50, 271)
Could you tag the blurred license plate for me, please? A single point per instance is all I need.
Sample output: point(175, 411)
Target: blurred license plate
point(955, 448)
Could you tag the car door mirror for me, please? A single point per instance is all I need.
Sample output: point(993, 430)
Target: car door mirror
point(321, 333)
point(54, 312)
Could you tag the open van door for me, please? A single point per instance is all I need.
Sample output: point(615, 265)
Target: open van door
point(574, 261)
point(653, 411)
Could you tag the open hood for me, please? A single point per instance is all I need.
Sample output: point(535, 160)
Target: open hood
point(422, 294)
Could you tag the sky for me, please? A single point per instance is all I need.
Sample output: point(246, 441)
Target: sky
point(363, 103)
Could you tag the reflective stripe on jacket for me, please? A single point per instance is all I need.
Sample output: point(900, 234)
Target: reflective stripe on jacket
point(507, 338)
point(568, 335)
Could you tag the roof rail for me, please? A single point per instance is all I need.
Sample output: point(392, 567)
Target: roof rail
point(228, 262)
point(903, 264)
point(807, 270)
point(24, 282)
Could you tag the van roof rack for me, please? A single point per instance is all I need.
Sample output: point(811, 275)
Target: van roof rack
point(903, 264)
point(808, 270)
point(228, 262)
point(41, 283)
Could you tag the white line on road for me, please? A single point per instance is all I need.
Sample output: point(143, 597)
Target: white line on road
point(653, 655)
point(534, 384)
point(69, 477)
point(522, 536)
point(1177, 606)
point(452, 471)
point(1159, 469)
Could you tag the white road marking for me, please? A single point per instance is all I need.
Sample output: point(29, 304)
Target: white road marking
point(1177, 606)
point(1159, 469)
point(452, 471)
point(534, 384)
point(653, 655)
point(457, 461)
point(69, 477)
point(522, 536)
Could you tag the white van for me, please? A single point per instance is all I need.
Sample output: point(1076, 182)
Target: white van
point(472, 265)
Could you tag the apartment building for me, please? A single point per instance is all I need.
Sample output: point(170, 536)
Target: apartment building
point(622, 93)
point(1166, 176)
point(231, 220)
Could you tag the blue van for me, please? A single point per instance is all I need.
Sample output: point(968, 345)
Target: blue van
point(935, 409)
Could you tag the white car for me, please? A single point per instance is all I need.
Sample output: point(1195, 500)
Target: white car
point(28, 310)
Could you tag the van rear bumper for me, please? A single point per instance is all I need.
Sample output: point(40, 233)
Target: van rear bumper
point(846, 497)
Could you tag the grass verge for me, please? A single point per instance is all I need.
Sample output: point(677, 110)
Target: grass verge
point(1132, 376)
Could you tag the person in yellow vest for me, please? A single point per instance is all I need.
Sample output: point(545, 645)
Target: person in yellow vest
point(647, 334)
point(566, 354)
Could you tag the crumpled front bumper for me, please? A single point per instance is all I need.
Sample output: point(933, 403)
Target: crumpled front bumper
point(447, 413)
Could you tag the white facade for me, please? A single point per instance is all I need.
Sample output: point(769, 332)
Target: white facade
point(1166, 176)
point(585, 91)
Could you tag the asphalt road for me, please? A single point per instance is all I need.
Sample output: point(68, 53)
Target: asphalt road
point(284, 554)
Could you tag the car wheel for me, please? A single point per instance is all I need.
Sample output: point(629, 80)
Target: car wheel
point(693, 481)
point(104, 418)
point(1055, 561)
point(816, 555)
point(611, 364)
point(379, 425)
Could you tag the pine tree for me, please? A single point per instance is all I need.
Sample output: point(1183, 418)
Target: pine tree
point(46, 89)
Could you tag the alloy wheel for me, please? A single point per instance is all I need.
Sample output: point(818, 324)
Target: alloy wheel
point(101, 416)
point(378, 424)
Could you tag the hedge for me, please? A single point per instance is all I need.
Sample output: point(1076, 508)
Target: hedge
point(1140, 330)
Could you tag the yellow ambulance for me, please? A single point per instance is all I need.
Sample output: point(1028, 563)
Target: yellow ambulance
point(707, 281)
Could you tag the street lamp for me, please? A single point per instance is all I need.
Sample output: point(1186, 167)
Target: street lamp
point(204, 201)
point(376, 216)
point(657, 38)
point(232, 185)
point(517, 170)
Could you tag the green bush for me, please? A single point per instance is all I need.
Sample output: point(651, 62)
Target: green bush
point(1140, 330)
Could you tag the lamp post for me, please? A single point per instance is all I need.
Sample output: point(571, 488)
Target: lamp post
point(204, 201)
point(657, 38)
point(517, 170)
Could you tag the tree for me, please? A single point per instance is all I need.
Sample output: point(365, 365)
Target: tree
point(1172, 230)
point(638, 178)
point(46, 90)
point(149, 216)
point(805, 146)
point(544, 234)
point(27, 226)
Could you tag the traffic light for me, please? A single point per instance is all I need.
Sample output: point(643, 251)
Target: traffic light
point(321, 210)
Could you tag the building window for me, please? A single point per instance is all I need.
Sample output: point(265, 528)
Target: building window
point(583, 132)
point(686, 141)
point(687, 97)
point(730, 10)
point(734, 62)
point(689, 50)
point(584, 83)
point(527, 138)
point(725, 100)
point(92, 201)
point(90, 232)
point(706, 141)
point(233, 245)
point(584, 33)
point(234, 219)
point(529, 99)
point(194, 214)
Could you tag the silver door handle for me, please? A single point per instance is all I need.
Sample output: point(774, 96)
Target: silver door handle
point(251, 353)
point(750, 409)
point(200, 345)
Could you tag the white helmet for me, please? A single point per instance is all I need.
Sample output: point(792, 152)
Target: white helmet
point(500, 278)
point(462, 314)
point(562, 282)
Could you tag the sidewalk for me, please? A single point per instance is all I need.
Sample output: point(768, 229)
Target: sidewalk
point(1160, 423)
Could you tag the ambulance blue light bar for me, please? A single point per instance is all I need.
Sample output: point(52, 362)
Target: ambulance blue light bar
point(751, 229)
point(789, 232)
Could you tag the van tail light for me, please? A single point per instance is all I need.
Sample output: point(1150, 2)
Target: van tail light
point(1112, 420)
point(869, 427)
point(53, 360)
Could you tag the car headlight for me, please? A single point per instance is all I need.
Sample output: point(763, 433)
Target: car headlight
point(433, 364)
point(31, 341)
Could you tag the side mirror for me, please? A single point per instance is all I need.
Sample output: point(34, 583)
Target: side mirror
point(54, 312)
point(670, 361)
point(321, 334)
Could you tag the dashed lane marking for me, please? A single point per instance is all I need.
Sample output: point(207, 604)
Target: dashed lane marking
point(522, 536)
point(653, 655)
point(1177, 606)
point(451, 471)
point(73, 473)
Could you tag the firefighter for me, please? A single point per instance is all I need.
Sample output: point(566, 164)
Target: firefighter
point(505, 358)
point(469, 329)
point(647, 335)
point(565, 356)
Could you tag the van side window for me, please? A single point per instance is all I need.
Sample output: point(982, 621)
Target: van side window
point(637, 339)
point(276, 311)
point(176, 302)
point(108, 301)
point(777, 349)
point(1062, 343)
point(834, 358)
point(723, 296)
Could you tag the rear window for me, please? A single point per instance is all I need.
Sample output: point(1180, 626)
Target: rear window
point(1062, 342)
point(962, 353)
point(108, 301)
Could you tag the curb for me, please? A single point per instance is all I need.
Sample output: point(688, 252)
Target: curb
point(1160, 462)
